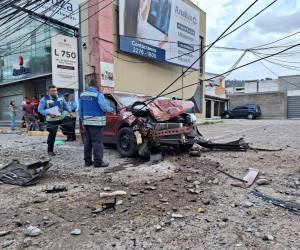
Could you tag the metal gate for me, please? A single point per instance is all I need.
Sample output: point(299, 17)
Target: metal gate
point(293, 106)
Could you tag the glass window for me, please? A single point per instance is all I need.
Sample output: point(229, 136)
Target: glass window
point(25, 51)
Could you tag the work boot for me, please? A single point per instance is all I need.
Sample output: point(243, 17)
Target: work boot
point(102, 164)
point(51, 153)
point(88, 163)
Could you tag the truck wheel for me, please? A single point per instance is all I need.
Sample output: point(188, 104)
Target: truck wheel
point(126, 142)
point(227, 116)
point(250, 116)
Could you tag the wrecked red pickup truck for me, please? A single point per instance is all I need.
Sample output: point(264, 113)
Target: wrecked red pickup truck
point(137, 127)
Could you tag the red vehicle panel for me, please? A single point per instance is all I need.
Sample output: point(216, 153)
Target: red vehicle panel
point(139, 123)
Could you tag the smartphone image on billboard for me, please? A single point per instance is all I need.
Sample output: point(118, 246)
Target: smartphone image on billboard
point(160, 15)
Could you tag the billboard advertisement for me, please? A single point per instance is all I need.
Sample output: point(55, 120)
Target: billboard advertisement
point(64, 62)
point(162, 30)
point(64, 11)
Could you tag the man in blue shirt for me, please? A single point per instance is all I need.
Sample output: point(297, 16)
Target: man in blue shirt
point(92, 109)
point(56, 111)
point(72, 105)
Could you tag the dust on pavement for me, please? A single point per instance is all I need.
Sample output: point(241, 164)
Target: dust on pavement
point(179, 203)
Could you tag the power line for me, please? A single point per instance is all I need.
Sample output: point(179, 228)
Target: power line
point(143, 38)
point(16, 11)
point(78, 23)
point(274, 72)
point(161, 93)
point(117, 57)
point(185, 71)
point(247, 21)
point(284, 65)
point(72, 13)
point(229, 71)
point(41, 25)
point(218, 75)
point(220, 37)
point(236, 63)
point(250, 19)
point(24, 23)
point(239, 67)
point(278, 40)
point(10, 18)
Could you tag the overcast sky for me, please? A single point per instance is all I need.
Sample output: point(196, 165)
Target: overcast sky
point(281, 19)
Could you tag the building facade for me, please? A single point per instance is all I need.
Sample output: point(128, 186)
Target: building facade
point(144, 64)
point(216, 101)
point(132, 54)
point(278, 98)
point(256, 86)
point(26, 56)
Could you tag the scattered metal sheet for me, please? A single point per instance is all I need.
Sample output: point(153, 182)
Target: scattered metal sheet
point(248, 180)
point(19, 174)
point(238, 145)
point(231, 176)
point(289, 205)
point(266, 149)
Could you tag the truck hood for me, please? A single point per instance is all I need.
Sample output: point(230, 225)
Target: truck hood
point(166, 109)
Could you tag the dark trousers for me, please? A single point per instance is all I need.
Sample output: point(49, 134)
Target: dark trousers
point(72, 134)
point(52, 127)
point(93, 143)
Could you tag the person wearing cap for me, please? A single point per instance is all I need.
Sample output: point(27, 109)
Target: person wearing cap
point(92, 110)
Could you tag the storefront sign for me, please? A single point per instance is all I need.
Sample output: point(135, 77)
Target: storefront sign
point(64, 62)
point(107, 74)
point(21, 68)
point(64, 11)
point(162, 30)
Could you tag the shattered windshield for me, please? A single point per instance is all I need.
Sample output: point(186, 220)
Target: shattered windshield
point(128, 100)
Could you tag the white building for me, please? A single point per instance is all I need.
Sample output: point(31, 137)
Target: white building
point(258, 86)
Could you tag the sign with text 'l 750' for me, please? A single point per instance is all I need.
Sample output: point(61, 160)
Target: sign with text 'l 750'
point(64, 61)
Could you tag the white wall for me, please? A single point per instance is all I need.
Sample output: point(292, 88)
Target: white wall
point(268, 86)
point(250, 87)
point(263, 86)
point(293, 93)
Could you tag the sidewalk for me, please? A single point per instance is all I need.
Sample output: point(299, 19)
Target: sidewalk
point(208, 121)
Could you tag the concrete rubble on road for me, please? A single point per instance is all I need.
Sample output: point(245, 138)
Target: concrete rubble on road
point(112, 194)
point(32, 231)
point(182, 202)
point(76, 232)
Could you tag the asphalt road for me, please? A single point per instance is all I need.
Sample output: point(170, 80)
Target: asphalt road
point(215, 215)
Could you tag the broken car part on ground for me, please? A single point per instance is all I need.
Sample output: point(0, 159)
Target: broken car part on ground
point(291, 206)
point(19, 174)
point(138, 126)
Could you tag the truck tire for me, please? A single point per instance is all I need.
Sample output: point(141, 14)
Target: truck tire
point(126, 142)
